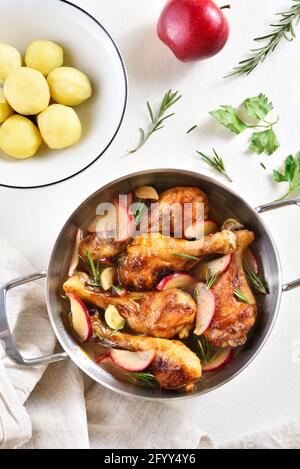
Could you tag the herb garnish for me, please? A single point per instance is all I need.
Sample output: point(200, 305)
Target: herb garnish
point(94, 268)
point(291, 175)
point(119, 290)
point(192, 128)
point(284, 29)
point(147, 378)
point(205, 351)
point(211, 279)
point(240, 295)
point(254, 279)
point(157, 121)
point(186, 256)
point(215, 162)
point(256, 108)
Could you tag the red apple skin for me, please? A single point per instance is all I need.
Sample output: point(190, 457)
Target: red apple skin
point(193, 29)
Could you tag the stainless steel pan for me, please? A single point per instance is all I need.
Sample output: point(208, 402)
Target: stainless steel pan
point(221, 196)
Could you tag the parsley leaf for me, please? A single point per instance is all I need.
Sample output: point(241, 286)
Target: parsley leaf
point(264, 141)
point(258, 107)
point(227, 116)
point(291, 174)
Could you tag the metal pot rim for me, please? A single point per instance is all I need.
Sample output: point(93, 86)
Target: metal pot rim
point(209, 180)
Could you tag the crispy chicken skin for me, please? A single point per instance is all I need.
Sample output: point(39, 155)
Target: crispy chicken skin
point(175, 366)
point(100, 247)
point(149, 255)
point(233, 319)
point(177, 197)
point(159, 314)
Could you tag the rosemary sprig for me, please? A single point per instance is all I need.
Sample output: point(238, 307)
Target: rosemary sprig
point(205, 351)
point(240, 295)
point(210, 279)
point(93, 267)
point(254, 279)
point(157, 121)
point(147, 378)
point(284, 29)
point(186, 256)
point(216, 162)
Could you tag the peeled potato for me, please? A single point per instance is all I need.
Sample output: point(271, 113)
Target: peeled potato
point(69, 86)
point(19, 137)
point(10, 59)
point(44, 56)
point(60, 126)
point(5, 109)
point(27, 91)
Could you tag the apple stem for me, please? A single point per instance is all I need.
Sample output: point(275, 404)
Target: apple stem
point(225, 6)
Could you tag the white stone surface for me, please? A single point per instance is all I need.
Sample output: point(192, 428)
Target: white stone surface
point(267, 393)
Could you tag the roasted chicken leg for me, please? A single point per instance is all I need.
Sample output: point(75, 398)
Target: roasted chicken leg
point(233, 319)
point(175, 366)
point(142, 263)
point(159, 314)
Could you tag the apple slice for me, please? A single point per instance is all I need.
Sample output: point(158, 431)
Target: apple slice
point(132, 361)
point(251, 260)
point(219, 361)
point(206, 308)
point(180, 280)
point(81, 321)
point(75, 255)
point(216, 267)
point(201, 228)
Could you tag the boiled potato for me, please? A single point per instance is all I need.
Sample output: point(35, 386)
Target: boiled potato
point(60, 126)
point(5, 109)
point(69, 86)
point(44, 56)
point(19, 137)
point(10, 59)
point(27, 91)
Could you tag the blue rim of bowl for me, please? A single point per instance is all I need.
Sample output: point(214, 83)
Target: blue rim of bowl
point(122, 115)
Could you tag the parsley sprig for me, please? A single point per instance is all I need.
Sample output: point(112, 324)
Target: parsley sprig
point(158, 120)
point(215, 162)
point(284, 29)
point(291, 175)
point(256, 108)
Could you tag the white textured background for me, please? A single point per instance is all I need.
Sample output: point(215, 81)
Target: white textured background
point(267, 393)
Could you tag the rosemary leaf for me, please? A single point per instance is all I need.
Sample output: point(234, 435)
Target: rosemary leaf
point(283, 29)
point(192, 128)
point(157, 121)
point(186, 256)
point(240, 295)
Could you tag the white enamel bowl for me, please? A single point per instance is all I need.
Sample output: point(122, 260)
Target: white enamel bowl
point(87, 46)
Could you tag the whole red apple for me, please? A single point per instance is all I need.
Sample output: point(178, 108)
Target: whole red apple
point(193, 29)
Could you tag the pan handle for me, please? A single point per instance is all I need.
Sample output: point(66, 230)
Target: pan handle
point(272, 206)
point(5, 334)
